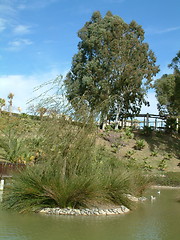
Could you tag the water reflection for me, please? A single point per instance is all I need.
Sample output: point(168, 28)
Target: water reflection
point(157, 220)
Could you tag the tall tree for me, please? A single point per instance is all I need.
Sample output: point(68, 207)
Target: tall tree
point(165, 87)
point(168, 89)
point(113, 67)
point(175, 64)
point(10, 96)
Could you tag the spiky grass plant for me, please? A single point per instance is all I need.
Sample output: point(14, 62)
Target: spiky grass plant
point(71, 173)
point(42, 186)
point(66, 177)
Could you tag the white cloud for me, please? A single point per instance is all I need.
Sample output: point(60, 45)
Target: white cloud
point(3, 24)
point(151, 30)
point(21, 29)
point(7, 8)
point(22, 87)
point(18, 44)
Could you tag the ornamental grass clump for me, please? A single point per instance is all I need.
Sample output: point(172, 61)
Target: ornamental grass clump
point(65, 177)
point(73, 171)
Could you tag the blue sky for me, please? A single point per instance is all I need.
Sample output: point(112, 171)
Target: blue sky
point(39, 38)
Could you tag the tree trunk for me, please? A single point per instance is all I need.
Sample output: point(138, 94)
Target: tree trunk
point(10, 110)
point(104, 122)
point(117, 118)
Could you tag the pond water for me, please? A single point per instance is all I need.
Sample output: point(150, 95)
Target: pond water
point(152, 220)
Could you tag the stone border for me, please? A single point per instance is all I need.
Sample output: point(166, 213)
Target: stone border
point(164, 187)
point(92, 211)
point(85, 212)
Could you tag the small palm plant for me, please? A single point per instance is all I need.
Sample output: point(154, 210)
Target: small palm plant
point(139, 144)
point(10, 96)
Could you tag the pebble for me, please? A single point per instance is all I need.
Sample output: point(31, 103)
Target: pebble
point(87, 211)
point(84, 212)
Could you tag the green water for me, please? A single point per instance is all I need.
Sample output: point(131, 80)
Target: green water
point(157, 220)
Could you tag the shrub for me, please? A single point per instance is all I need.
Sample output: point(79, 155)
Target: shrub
point(162, 165)
point(139, 145)
point(128, 132)
point(146, 166)
point(154, 153)
point(12, 146)
point(147, 131)
point(129, 153)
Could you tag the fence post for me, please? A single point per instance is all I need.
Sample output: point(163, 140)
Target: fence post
point(155, 123)
point(147, 120)
point(177, 124)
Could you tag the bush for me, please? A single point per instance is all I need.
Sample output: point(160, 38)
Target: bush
point(139, 145)
point(147, 131)
point(162, 165)
point(128, 132)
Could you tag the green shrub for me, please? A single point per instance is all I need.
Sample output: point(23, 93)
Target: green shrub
point(128, 132)
point(13, 147)
point(146, 166)
point(147, 131)
point(129, 153)
point(154, 153)
point(162, 165)
point(139, 145)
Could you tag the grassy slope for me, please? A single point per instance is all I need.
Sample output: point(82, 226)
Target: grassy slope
point(157, 147)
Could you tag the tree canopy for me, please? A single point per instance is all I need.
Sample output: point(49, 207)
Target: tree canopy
point(168, 89)
point(113, 67)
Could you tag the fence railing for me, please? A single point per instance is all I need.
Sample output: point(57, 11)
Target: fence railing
point(7, 169)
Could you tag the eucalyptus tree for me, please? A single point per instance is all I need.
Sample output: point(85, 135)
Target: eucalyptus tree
point(175, 64)
point(165, 89)
point(168, 89)
point(113, 67)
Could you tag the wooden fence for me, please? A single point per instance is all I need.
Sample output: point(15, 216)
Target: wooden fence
point(7, 169)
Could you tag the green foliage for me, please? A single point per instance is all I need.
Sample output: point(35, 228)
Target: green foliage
point(109, 128)
point(132, 163)
point(171, 125)
point(42, 186)
point(146, 166)
point(165, 93)
point(13, 147)
point(2, 103)
point(162, 165)
point(70, 170)
point(147, 131)
point(154, 153)
point(129, 153)
point(113, 67)
point(73, 173)
point(139, 145)
point(168, 89)
point(18, 139)
point(128, 132)
point(168, 179)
